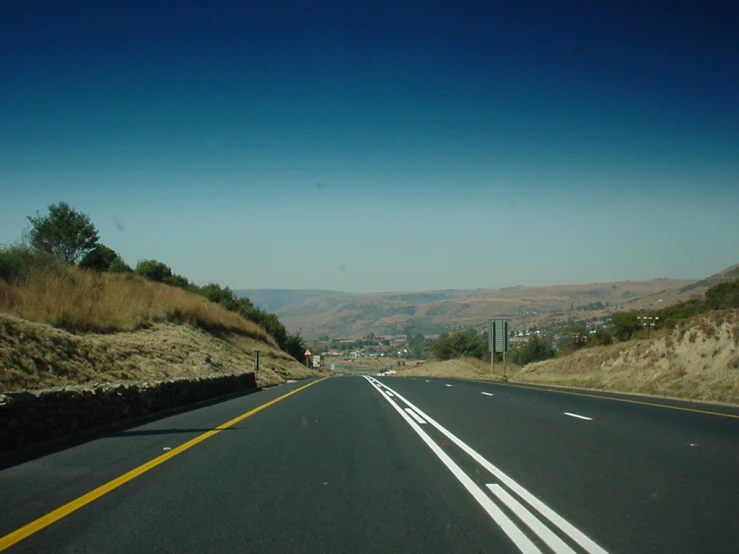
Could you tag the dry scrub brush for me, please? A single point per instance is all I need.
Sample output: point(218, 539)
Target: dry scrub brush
point(83, 301)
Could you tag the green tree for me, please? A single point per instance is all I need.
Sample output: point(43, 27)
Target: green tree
point(295, 346)
point(577, 336)
point(153, 270)
point(458, 345)
point(600, 338)
point(65, 233)
point(535, 349)
point(624, 324)
point(119, 266)
point(99, 258)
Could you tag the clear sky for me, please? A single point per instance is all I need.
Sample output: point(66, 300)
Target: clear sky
point(380, 146)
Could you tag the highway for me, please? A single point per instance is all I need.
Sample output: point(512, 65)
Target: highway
point(389, 464)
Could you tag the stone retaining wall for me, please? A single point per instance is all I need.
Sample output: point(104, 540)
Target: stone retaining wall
point(36, 416)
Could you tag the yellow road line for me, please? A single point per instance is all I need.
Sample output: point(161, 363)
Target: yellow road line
point(44, 521)
point(668, 406)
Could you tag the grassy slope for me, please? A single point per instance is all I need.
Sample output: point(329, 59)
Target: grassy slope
point(72, 327)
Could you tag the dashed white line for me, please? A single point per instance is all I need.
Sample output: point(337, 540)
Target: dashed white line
point(390, 394)
point(578, 416)
point(487, 393)
point(448, 385)
point(415, 416)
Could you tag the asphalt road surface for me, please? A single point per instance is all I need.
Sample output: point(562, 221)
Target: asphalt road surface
point(359, 464)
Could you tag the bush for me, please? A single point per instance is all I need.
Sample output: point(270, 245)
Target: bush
point(535, 350)
point(153, 270)
point(99, 259)
point(600, 338)
point(17, 262)
point(458, 345)
point(625, 324)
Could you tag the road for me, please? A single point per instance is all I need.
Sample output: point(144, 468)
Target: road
point(362, 464)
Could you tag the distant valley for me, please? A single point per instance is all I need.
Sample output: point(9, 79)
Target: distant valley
point(336, 314)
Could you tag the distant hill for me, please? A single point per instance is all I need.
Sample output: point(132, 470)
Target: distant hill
point(433, 312)
point(315, 313)
point(272, 300)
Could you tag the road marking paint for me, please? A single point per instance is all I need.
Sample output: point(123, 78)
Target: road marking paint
point(579, 416)
point(524, 544)
point(627, 400)
point(390, 394)
point(29, 529)
point(578, 536)
point(487, 393)
point(544, 533)
point(415, 416)
point(448, 385)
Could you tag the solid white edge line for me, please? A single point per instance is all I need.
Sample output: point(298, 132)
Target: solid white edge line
point(487, 393)
point(415, 416)
point(578, 536)
point(579, 416)
point(544, 533)
point(523, 543)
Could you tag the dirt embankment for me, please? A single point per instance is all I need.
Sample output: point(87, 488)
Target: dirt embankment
point(699, 360)
point(37, 356)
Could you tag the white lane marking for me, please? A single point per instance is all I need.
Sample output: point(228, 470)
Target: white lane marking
point(427, 380)
point(544, 533)
point(579, 416)
point(487, 393)
point(523, 543)
point(415, 416)
point(578, 536)
point(389, 393)
point(448, 385)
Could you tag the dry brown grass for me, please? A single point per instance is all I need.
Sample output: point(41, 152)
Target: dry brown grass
point(37, 356)
point(85, 302)
point(698, 360)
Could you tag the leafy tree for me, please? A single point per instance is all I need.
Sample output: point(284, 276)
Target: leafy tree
point(458, 345)
point(535, 350)
point(295, 346)
point(577, 336)
point(64, 233)
point(119, 266)
point(153, 270)
point(625, 324)
point(600, 338)
point(179, 281)
point(99, 259)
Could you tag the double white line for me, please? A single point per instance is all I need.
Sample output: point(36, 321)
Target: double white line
point(415, 417)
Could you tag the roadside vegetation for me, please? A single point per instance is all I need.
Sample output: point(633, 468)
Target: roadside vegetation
point(62, 275)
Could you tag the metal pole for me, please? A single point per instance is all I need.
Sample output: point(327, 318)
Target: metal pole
point(256, 361)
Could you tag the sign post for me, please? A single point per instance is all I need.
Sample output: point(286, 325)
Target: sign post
point(307, 355)
point(498, 337)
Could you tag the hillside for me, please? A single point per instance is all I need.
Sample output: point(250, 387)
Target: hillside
point(438, 311)
point(38, 356)
point(275, 299)
point(60, 325)
point(697, 360)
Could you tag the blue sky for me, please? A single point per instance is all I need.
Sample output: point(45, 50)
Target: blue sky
point(380, 146)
